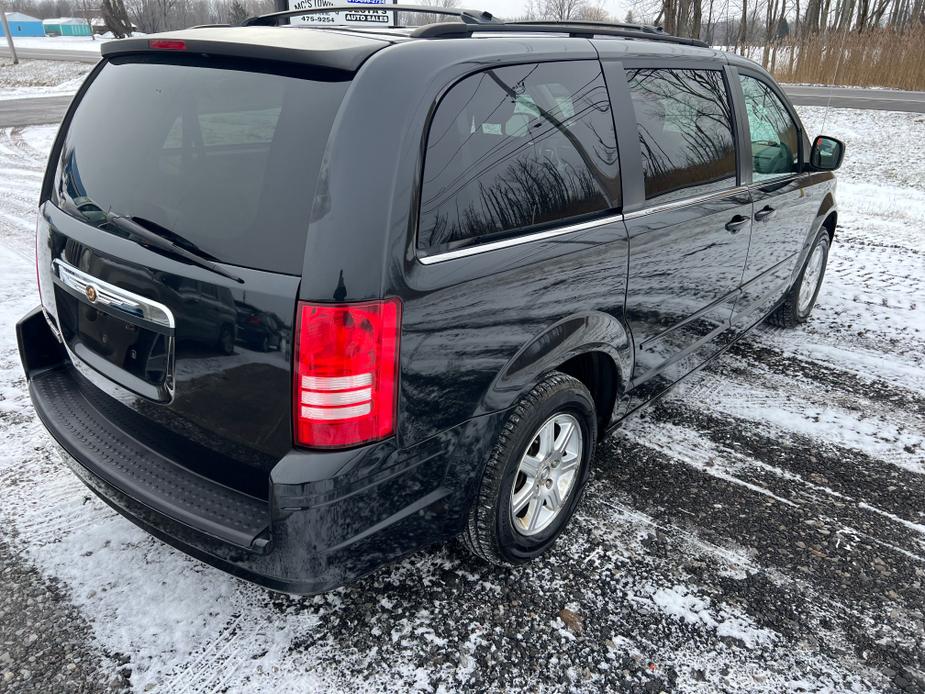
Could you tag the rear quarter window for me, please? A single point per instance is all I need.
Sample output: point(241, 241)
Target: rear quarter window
point(515, 149)
point(222, 154)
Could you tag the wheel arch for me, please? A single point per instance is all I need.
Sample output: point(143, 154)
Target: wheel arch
point(826, 217)
point(593, 347)
point(830, 222)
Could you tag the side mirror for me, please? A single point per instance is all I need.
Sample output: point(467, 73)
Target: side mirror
point(827, 153)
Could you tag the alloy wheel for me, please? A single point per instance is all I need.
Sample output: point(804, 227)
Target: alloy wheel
point(546, 474)
point(811, 278)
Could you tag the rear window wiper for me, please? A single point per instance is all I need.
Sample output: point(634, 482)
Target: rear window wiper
point(162, 240)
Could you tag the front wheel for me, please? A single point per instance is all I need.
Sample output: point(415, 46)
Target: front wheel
point(800, 299)
point(536, 473)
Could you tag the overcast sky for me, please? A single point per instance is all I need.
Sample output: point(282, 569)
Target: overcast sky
point(514, 8)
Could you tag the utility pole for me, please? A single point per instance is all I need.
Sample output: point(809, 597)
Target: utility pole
point(9, 36)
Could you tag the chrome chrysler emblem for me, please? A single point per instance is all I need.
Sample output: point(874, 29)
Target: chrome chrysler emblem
point(91, 293)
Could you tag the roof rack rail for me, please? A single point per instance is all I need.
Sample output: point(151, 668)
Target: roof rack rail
point(648, 28)
point(576, 29)
point(468, 17)
point(480, 21)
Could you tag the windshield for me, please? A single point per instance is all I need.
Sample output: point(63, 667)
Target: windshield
point(223, 156)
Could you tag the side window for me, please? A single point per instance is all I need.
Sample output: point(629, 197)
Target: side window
point(774, 135)
point(685, 131)
point(516, 147)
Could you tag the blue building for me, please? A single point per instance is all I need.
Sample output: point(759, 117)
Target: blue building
point(23, 25)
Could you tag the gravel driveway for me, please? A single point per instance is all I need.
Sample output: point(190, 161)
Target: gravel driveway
point(761, 529)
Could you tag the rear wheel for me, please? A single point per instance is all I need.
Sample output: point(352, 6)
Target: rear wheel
point(536, 473)
point(802, 296)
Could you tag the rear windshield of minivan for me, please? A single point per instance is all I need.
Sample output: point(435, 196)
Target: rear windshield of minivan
point(218, 155)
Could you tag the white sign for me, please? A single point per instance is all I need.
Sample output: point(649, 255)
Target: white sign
point(368, 13)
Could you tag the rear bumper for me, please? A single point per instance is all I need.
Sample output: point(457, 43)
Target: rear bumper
point(329, 518)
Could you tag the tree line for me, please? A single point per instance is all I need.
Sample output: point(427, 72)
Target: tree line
point(854, 42)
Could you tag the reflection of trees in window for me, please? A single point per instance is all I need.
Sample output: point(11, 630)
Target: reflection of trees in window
point(515, 147)
point(685, 128)
point(529, 192)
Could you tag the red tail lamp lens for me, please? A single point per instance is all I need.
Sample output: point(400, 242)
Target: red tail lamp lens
point(346, 375)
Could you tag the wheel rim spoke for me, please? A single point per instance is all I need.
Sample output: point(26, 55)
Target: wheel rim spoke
point(555, 497)
point(530, 465)
point(547, 439)
point(522, 498)
point(566, 429)
point(533, 514)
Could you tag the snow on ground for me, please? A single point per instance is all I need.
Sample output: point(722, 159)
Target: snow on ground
point(41, 78)
point(62, 43)
point(761, 529)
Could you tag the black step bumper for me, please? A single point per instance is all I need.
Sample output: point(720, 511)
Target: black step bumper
point(143, 474)
point(330, 517)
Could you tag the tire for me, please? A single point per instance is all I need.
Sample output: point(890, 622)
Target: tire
point(792, 312)
point(226, 340)
point(491, 534)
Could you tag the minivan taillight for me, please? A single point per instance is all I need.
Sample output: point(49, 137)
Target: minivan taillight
point(346, 372)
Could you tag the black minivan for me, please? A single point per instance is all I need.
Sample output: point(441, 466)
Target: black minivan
point(483, 245)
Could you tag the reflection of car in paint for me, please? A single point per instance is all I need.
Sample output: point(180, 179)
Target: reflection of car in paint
point(258, 329)
point(214, 319)
point(568, 220)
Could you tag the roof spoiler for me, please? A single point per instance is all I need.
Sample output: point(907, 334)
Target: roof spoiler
point(326, 50)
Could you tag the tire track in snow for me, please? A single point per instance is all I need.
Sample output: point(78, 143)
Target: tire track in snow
point(780, 402)
point(802, 556)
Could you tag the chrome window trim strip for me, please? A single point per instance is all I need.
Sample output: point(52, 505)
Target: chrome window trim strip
point(518, 240)
point(113, 297)
point(685, 202)
point(572, 228)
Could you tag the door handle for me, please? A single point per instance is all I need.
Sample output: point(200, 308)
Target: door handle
point(765, 212)
point(736, 223)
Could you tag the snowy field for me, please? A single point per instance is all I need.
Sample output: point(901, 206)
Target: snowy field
point(62, 43)
point(761, 530)
point(41, 78)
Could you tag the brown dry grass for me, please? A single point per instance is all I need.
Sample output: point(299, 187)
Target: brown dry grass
point(881, 58)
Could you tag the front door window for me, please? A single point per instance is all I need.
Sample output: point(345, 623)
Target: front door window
point(774, 135)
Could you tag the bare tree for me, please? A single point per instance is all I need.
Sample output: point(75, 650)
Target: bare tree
point(742, 39)
point(563, 10)
point(237, 13)
point(116, 18)
point(593, 13)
